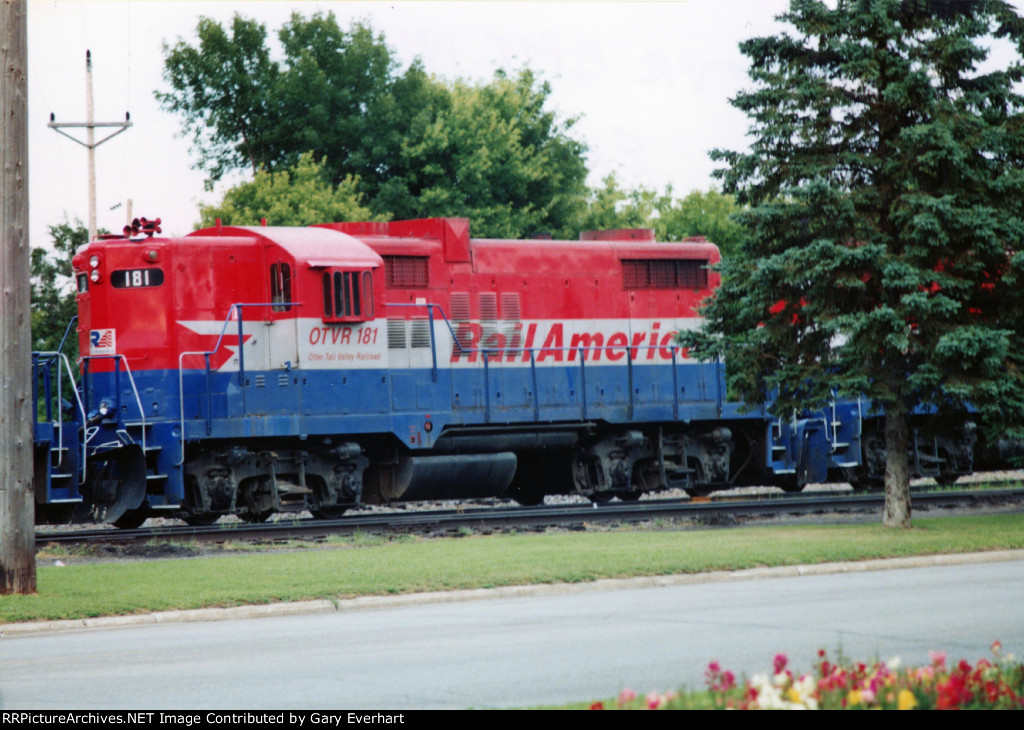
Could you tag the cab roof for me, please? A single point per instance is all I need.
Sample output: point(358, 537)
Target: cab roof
point(314, 246)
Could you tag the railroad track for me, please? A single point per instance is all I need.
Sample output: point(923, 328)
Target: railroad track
point(719, 510)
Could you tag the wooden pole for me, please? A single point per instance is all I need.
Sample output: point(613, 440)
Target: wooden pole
point(17, 513)
point(90, 142)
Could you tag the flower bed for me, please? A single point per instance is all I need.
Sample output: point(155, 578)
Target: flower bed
point(988, 684)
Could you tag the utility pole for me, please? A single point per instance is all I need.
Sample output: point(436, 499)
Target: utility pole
point(17, 509)
point(90, 138)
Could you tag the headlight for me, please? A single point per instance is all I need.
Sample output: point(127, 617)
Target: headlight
point(104, 409)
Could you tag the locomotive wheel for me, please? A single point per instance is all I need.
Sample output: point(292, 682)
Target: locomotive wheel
point(601, 497)
point(255, 517)
point(630, 496)
point(698, 488)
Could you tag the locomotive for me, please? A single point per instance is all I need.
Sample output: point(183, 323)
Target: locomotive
point(254, 370)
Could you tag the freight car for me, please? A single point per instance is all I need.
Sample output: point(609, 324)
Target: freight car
point(252, 370)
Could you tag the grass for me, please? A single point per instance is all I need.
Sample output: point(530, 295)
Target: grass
point(372, 566)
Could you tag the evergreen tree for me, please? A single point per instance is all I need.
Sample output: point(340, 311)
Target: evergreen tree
point(886, 194)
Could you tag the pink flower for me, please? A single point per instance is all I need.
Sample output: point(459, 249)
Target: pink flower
point(717, 680)
point(655, 700)
point(626, 696)
point(938, 658)
point(780, 662)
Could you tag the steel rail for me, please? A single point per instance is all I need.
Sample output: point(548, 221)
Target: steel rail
point(456, 521)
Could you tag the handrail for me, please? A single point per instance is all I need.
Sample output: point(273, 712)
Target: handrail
point(489, 353)
point(61, 357)
point(67, 331)
point(206, 355)
point(430, 320)
point(117, 387)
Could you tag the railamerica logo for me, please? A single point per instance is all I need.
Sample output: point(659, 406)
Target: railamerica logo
point(102, 342)
point(551, 342)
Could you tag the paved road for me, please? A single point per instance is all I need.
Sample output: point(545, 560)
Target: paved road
point(553, 647)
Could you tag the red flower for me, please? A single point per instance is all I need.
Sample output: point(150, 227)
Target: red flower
point(780, 662)
point(953, 693)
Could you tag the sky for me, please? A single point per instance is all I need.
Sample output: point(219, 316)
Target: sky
point(649, 81)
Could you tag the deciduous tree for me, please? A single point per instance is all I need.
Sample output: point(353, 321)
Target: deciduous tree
point(417, 145)
point(496, 155)
point(298, 196)
point(53, 289)
point(886, 185)
point(224, 89)
point(709, 214)
point(611, 207)
point(701, 213)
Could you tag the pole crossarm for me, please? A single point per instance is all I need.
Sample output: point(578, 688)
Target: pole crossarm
point(57, 127)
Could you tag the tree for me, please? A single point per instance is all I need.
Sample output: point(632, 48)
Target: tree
point(418, 146)
point(53, 289)
point(497, 156)
point(298, 196)
point(347, 100)
point(710, 214)
point(609, 207)
point(224, 88)
point(886, 194)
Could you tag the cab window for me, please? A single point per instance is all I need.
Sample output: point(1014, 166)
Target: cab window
point(348, 296)
point(281, 286)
